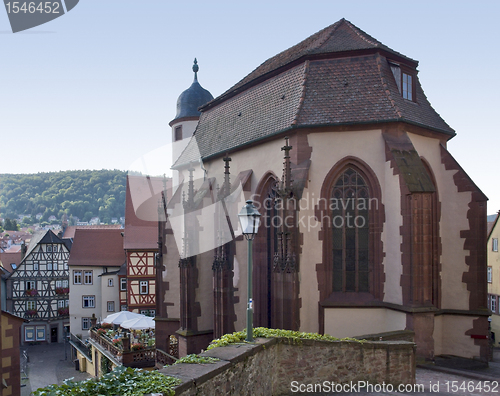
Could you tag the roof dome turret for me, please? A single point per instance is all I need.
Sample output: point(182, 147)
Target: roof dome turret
point(192, 98)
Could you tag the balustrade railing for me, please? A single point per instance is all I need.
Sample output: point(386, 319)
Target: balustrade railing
point(164, 358)
point(145, 357)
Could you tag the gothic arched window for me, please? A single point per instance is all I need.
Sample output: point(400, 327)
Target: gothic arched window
point(350, 205)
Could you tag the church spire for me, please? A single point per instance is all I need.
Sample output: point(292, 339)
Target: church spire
point(195, 69)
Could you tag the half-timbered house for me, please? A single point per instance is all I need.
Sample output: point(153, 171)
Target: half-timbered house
point(141, 243)
point(38, 289)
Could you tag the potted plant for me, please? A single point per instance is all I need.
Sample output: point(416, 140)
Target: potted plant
point(137, 347)
point(31, 312)
point(31, 292)
point(100, 331)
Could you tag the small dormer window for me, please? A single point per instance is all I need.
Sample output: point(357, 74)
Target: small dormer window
point(407, 86)
point(405, 80)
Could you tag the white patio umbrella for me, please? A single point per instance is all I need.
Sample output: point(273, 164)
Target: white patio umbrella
point(119, 317)
point(139, 323)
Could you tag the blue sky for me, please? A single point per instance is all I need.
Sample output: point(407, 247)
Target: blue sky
point(97, 87)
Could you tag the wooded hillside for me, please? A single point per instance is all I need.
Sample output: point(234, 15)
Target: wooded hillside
point(83, 194)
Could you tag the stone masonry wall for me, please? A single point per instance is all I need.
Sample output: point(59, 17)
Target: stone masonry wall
point(269, 366)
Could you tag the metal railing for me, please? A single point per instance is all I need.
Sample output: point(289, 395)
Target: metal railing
point(84, 349)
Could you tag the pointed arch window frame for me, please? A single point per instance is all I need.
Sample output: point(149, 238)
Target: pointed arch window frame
point(376, 216)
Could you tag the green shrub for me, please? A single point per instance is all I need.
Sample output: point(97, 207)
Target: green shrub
point(263, 332)
point(123, 381)
point(196, 359)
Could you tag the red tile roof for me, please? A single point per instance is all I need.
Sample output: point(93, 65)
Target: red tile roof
point(340, 38)
point(69, 232)
point(97, 247)
point(339, 76)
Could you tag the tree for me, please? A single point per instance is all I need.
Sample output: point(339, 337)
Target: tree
point(10, 225)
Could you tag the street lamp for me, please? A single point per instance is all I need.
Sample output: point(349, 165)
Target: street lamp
point(249, 218)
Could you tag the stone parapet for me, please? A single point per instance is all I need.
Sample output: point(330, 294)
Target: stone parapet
point(269, 366)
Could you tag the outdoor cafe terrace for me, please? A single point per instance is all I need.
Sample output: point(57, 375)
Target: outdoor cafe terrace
point(128, 346)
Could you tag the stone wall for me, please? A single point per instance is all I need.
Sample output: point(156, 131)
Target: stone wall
point(269, 366)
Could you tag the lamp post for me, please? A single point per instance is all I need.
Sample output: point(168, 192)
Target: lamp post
point(249, 218)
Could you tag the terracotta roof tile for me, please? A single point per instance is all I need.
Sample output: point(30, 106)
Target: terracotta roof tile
point(97, 247)
point(69, 232)
point(340, 87)
point(342, 36)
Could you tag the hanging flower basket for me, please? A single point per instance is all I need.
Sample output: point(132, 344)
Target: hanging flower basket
point(31, 312)
point(62, 290)
point(31, 292)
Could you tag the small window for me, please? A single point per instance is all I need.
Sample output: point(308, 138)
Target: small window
point(54, 266)
point(405, 80)
point(123, 308)
point(30, 305)
point(87, 278)
point(123, 284)
point(148, 312)
point(110, 282)
point(490, 275)
point(60, 303)
point(54, 249)
point(40, 333)
point(59, 283)
point(49, 266)
point(49, 248)
point(65, 283)
point(77, 277)
point(144, 287)
point(88, 301)
point(495, 244)
point(493, 305)
point(85, 323)
point(111, 306)
point(66, 303)
point(407, 86)
point(35, 266)
point(29, 333)
point(30, 285)
point(178, 133)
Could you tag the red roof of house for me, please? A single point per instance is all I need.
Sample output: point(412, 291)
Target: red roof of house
point(97, 247)
point(69, 232)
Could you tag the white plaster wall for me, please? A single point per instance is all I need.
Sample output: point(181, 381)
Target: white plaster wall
point(76, 292)
point(346, 322)
point(454, 207)
point(109, 293)
point(450, 339)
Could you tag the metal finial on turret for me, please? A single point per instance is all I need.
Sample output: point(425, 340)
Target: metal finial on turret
point(195, 69)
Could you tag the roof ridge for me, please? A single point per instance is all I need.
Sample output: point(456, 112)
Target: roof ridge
point(303, 96)
point(378, 60)
point(362, 36)
point(334, 27)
